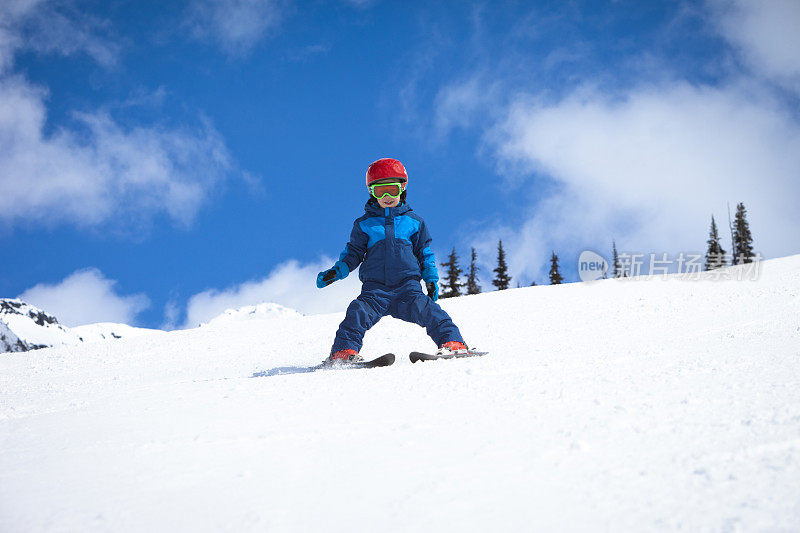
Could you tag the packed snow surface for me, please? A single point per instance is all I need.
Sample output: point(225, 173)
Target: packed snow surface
point(618, 405)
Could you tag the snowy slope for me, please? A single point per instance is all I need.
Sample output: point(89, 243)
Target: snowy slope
point(618, 405)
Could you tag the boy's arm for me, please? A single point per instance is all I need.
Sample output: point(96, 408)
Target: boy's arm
point(355, 249)
point(349, 259)
point(424, 253)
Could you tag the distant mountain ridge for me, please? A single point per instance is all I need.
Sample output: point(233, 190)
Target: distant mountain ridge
point(24, 327)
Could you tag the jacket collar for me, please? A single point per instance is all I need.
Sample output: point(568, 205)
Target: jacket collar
point(378, 211)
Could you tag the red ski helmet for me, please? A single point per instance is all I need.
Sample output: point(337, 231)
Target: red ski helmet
point(386, 168)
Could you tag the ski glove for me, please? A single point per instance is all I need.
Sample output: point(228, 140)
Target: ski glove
point(431, 276)
point(433, 290)
point(339, 271)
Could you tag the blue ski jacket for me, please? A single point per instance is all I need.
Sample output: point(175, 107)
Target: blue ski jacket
point(394, 245)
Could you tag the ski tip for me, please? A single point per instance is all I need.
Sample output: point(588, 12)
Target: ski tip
point(420, 356)
point(416, 356)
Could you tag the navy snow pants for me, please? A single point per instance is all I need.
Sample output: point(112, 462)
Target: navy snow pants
point(406, 302)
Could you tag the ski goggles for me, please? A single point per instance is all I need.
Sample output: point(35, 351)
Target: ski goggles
point(392, 190)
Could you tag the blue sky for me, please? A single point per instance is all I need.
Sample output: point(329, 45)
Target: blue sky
point(169, 160)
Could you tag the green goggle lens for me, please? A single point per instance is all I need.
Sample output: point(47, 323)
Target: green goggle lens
point(379, 190)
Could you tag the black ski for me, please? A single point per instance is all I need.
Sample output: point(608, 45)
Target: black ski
point(419, 356)
point(384, 360)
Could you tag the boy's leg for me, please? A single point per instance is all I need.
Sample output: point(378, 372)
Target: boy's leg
point(362, 313)
point(412, 305)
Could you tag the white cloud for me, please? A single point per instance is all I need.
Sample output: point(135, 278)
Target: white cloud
point(171, 315)
point(237, 25)
point(13, 13)
point(290, 284)
point(649, 169)
point(52, 27)
point(86, 297)
point(99, 171)
point(459, 104)
point(648, 165)
point(103, 172)
point(767, 34)
point(52, 31)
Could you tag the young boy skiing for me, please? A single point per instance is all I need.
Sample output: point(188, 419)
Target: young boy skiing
point(395, 247)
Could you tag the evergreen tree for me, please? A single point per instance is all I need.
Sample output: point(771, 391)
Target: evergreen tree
point(742, 239)
point(502, 280)
point(715, 255)
point(618, 273)
point(555, 276)
point(451, 287)
point(533, 283)
point(472, 279)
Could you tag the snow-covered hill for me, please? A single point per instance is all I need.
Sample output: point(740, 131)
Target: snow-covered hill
point(104, 331)
point(9, 342)
point(31, 327)
point(620, 405)
point(262, 311)
point(25, 327)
